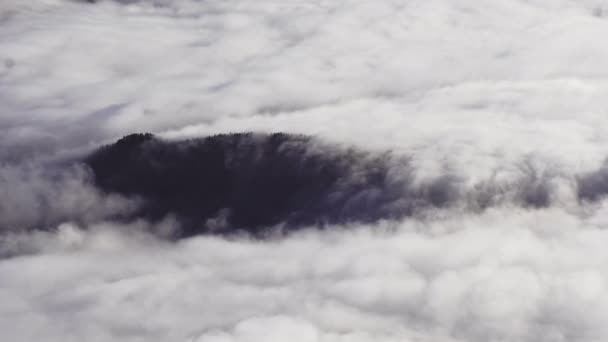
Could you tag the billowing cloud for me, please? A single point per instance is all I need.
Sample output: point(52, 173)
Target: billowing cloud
point(507, 274)
point(490, 117)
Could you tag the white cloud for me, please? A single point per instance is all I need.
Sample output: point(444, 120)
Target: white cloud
point(508, 274)
point(487, 92)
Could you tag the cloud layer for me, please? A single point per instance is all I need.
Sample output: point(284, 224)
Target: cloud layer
point(511, 275)
point(502, 103)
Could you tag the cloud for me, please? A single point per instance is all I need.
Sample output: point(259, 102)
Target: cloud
point(516, 270)
point(509, 274)
point(498, 106)
point(446, 75)
point(39, 195)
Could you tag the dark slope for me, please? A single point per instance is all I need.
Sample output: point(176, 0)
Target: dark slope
point(227, 183)
point(251, 182)
point(255, 183)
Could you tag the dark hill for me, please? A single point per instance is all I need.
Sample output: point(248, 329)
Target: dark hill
point(250, 182)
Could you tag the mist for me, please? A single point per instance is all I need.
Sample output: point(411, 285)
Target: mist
point(307, 170)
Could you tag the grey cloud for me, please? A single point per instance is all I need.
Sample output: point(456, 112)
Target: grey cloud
point(39, 196)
